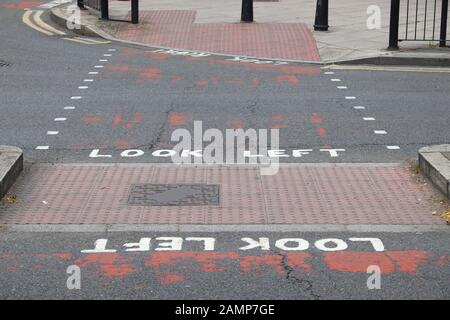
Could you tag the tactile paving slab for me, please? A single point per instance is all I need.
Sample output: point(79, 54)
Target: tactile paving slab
point(298, 194)
point(176, 29)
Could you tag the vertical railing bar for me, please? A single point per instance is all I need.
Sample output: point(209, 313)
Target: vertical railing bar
point(415, 24)
point(425, 20)
point(434, 20)
point(407, 19)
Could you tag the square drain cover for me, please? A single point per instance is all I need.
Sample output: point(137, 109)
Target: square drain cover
point(174, 195)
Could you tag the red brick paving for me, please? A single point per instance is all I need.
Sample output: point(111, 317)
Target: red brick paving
point(298, 194)
point(176, 29)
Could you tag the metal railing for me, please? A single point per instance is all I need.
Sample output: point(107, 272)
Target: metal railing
point(103, 7)
point(418, 20)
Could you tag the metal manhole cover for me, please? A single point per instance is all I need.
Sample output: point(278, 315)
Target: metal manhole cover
point(4, 63)
point(174, 195)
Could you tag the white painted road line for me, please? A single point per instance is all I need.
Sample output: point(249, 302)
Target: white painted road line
point(369, 119)
point(379, 132)
point(111, 50)
point(93, 72)
point(83, 87)
point(60, 119)
point(329, 72)
point(336, 80)
point(359, 107)
point(98, 67)
point(88, 80)
point(341, 87)
point(52, 133)
point(76, 98)
point(393, 147)
point(42, 147)
point(69, 108)
point(350, 98)
point(107, 55)
point(103, 60)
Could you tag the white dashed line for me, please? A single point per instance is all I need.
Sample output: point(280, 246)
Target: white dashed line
point(52, 133)
point(111, 50)
point(98, 67)
point(76, 98)
point(60, 119)
point(69, 108)
point(88, 80)
point(42, 147)
point(103, 60)
point(379, 132)
point(329, 72)
point(341, 87)
point(359, 107)
point(350, 98)
point(393, 147)
point(93, 72)
point(336, 80)
point(369, 119)
point(107, 55)
point(83, 87)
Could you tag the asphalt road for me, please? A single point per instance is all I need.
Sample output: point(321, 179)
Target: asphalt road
point(139, 97)
point(413, 266)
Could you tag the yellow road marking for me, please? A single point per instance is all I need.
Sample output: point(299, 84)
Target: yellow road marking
point(77, 40)
point(37, 18)
point(26, 19)
point(93, 41)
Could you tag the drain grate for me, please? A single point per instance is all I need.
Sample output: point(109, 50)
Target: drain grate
point(174, 195)
point(4, 63)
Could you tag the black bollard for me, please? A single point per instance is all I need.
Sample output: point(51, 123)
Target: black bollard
point(104, 9)
point(444, 16)
point(393, 25)
point(247, 11)
point(135, 11)
point(321, 22)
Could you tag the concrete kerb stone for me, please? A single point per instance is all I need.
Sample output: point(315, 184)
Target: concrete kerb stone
point(11, 165)
point(436, 166)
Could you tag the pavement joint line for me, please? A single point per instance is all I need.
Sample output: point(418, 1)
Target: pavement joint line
point(189, 165)
point(222, 228)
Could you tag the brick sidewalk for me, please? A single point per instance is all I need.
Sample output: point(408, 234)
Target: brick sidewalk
point(176, 29)
point(298, 194)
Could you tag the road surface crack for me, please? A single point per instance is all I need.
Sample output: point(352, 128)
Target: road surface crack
point(305, 285)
